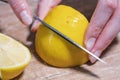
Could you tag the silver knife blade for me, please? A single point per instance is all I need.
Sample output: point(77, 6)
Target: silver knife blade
point(67, 38)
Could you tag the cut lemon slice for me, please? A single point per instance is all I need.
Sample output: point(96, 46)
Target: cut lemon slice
point(14, 57)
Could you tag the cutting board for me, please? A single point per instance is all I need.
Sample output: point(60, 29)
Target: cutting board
point(39, 70)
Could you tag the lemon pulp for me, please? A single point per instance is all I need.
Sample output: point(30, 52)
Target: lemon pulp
point(14, 57)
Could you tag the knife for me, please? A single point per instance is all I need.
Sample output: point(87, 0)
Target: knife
point(64, 36)
point(67, 38)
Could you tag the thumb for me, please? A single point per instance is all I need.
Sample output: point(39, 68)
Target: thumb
point(21, 9)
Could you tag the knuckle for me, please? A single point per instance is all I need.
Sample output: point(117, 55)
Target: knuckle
point(18, 5)
point(111, 4)
point(96, 30)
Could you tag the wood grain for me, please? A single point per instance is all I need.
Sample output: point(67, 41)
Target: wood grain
point(38, 70)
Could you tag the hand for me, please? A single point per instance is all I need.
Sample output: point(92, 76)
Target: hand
point(23, 12)
point(103, 27)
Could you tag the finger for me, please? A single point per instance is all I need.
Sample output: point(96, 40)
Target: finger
point(43, 8)
point(99, 19)
point(22, 11)
point(108, 34)
point(35, 25)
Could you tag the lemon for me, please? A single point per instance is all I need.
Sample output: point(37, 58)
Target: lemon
point(52, 48)
point(14, 57)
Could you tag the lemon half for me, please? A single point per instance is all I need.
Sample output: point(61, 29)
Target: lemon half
point(52, 48)
point(14, 57)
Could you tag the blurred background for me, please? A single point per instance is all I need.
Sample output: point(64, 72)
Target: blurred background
point(86, 7)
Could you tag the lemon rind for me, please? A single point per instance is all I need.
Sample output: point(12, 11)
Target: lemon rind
point(26, 51)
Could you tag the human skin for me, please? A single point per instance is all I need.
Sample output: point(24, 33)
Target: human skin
point(102, 29)
point(23, 12)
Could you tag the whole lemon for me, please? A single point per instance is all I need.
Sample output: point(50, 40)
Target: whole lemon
point(52, 48)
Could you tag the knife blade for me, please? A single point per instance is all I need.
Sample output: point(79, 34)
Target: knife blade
point(67, 38)
point(63, 36)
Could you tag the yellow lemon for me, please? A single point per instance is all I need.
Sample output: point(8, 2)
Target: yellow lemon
point(52, 48)
point(14, 57)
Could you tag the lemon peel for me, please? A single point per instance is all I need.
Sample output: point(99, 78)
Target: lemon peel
point(55, 50)
point(14, 57)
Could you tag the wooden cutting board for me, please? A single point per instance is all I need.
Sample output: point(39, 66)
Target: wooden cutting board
point(38, 70)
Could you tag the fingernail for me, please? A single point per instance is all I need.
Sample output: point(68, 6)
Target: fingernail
point(92, 59)
point(90, 43)
point(26, 17)
point(35, 26)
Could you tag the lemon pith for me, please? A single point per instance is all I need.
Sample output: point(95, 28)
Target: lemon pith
point(55, 50)
point(14, 57)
